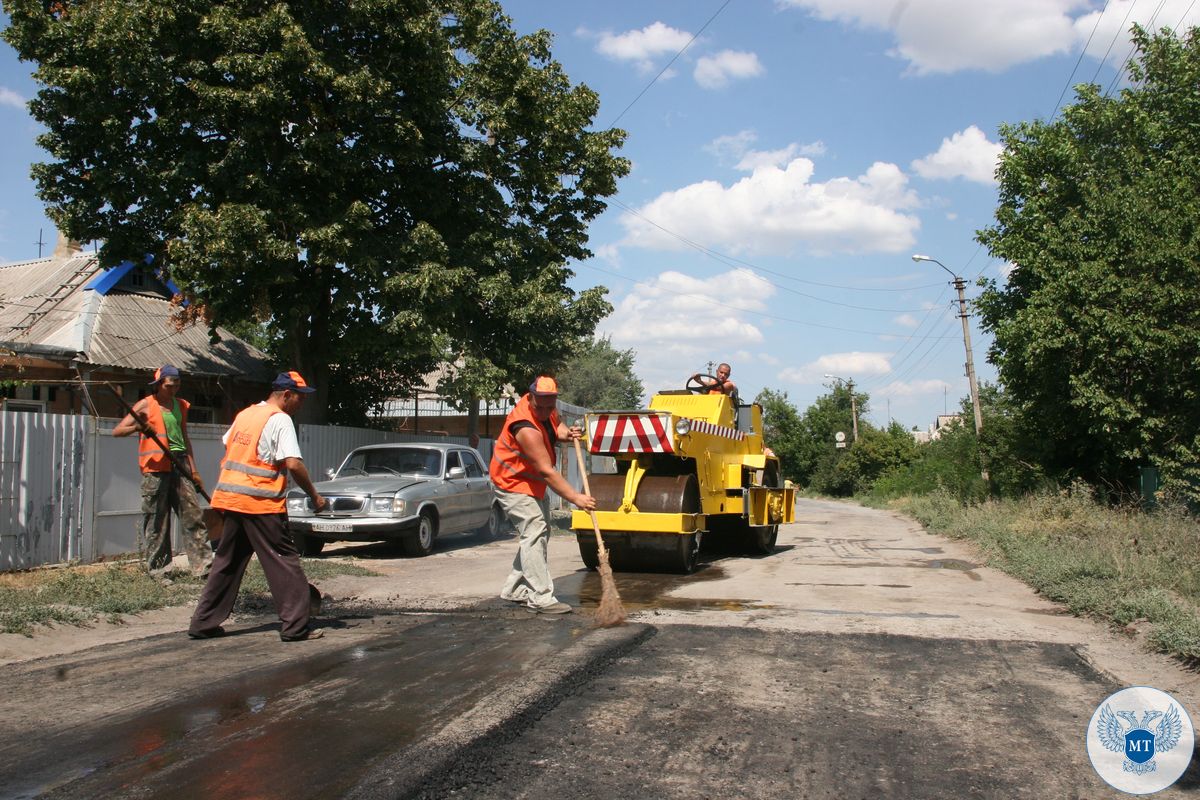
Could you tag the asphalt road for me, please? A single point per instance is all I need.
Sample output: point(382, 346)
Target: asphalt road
point(864, 658)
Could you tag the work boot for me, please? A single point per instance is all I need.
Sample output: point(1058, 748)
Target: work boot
point(553, 608)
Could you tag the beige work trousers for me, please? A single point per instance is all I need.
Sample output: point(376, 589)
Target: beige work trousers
point(529, 583)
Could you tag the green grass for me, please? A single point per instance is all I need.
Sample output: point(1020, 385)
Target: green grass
point(1118, 565)
point(80, 595)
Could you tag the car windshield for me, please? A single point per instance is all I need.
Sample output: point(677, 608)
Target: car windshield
point(393, 461)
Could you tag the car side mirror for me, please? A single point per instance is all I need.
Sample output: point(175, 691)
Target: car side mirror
point(456, 472)
point(329, 473)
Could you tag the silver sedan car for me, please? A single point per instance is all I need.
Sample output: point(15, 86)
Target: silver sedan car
point(411, 493)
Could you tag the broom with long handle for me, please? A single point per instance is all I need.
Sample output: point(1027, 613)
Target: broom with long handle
point(214, 520)
point(610, 612)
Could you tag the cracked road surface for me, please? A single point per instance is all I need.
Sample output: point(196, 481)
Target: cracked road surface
point(864, 658)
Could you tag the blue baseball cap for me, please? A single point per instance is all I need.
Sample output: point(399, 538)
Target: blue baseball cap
point(291, 380)
point(165, 371)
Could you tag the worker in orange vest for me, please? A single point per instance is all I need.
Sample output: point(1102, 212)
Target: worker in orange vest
point(164, 488)
point(261, 450)
point(722, 385)
point(522, 467)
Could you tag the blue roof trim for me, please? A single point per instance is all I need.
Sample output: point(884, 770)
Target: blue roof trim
point(105, 281)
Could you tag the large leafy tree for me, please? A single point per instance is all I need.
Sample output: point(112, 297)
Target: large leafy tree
point(597, 375)
point(385, 183)
point(783, 431)
point(1097, 328)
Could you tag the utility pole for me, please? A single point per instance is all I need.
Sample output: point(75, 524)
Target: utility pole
point(853, 402)
point(853, 408)
point(40, 244)
point(959, 284)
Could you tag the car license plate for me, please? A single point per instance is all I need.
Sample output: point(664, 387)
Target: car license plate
point(332, 527)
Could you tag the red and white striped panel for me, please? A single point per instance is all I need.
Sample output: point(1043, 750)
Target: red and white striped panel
point(699, 426)
point(629, 433)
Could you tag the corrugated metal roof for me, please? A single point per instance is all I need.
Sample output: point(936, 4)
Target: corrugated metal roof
point(133, 330)
point(42, 302)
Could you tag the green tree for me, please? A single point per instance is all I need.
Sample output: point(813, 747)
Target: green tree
point(387, 184)
point(819, 455)
point(1097, 328)
point(783, 431)
point(598, 375)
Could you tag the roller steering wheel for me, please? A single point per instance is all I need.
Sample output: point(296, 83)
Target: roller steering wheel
point(699, 388)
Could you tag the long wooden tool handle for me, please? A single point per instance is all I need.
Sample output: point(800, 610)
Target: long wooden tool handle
point(587, 490)
point(154, 438)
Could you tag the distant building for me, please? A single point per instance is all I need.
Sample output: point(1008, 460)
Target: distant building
point(67, 327)
point(942, 423)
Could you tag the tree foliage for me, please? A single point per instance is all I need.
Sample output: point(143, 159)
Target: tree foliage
point(598, 375)
point(386, 183)
point(1097, 328)
point(783, 431)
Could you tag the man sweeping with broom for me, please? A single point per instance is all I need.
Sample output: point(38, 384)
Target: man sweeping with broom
point(523, 466)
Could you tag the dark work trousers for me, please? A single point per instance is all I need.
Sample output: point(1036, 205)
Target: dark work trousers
point(243, 536)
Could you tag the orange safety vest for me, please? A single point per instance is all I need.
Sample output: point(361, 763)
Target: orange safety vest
point(247, 483)
point(151, 457)
point(509, 469)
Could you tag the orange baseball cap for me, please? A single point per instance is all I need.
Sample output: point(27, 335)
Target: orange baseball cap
point(543, 384)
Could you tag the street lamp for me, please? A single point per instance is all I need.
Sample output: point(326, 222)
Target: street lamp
point(958, 284)
point(853, 402)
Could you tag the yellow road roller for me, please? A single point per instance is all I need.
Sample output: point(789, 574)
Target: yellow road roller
point(693, 464)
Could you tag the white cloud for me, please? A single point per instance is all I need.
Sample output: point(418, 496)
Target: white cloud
point(610, 253)
point(677, 323)
point(775, 211)
point(10, 98)
point(1112, 33)
point(642, 46)
point(715, 72)
point(737, 149)
point(919, 388)
point(907, 321)
point(851, 366)
point(939, 36)
point(967, 154)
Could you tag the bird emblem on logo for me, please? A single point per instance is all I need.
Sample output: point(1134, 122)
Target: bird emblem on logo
point(1122, 733)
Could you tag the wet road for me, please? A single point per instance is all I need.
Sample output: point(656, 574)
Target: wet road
point(863, 658)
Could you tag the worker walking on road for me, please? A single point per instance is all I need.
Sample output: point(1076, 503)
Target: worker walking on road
point(522, 467)
point(164, 487)
point(261, 449)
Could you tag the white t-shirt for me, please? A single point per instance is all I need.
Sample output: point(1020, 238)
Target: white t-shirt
point(278, 440)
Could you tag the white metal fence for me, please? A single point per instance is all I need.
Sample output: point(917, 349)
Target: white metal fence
point(70, 491)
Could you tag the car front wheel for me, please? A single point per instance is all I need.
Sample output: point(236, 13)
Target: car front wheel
point(495, 522)
point(420, 543)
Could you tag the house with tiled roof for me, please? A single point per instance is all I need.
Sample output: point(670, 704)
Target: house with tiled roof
point(69, 328)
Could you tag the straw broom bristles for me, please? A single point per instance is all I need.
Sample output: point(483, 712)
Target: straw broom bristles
point(610, 612)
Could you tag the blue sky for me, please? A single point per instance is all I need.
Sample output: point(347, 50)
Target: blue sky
point(786, 166)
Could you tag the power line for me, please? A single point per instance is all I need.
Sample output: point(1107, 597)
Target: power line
point(1132, 49)
point(732, 260)
point(674, 58)
point(1120, 30)
point(1079, 60)
point(749, 311)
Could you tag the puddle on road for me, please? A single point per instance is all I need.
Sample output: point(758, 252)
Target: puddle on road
point(645, 591)
point(859, 585)
point(965, 567)
point(241, 737)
